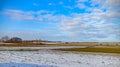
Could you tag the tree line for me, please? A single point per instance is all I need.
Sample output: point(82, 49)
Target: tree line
point(6, 39)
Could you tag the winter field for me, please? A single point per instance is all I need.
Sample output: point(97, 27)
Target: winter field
point(52, 57)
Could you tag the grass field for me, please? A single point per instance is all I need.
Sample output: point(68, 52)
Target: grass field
point(91, 49)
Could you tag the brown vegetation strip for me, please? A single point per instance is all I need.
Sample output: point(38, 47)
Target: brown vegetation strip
point(103, 50)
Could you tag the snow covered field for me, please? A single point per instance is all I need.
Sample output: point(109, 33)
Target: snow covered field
point(61, 58)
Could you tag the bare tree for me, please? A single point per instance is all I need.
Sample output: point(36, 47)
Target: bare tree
point(15, 40)
point(4, 38)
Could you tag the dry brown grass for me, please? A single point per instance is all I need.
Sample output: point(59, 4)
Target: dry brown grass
point(30, 44)
point(102, 50)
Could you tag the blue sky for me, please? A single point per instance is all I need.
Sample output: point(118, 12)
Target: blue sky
point(61, 20)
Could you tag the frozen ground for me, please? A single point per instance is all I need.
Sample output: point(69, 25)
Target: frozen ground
point(61, 59)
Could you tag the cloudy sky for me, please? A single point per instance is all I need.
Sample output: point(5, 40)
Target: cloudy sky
point(61, 20)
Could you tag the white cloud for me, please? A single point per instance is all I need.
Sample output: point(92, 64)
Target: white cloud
point(81, 6)
point(19, 15)
point(98, 25)
point(81, 1)
point(69, 7)
point(111, 5)
point(84, 30)
point(38, 16)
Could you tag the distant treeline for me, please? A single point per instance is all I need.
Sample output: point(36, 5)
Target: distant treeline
point(6, 39)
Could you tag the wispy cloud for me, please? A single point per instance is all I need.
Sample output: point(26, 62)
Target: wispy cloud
point(98, 25)
point(95, 26)
point(38, 16)
point(100, 21)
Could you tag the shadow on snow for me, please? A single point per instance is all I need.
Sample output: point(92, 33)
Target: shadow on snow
point(23, 65)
